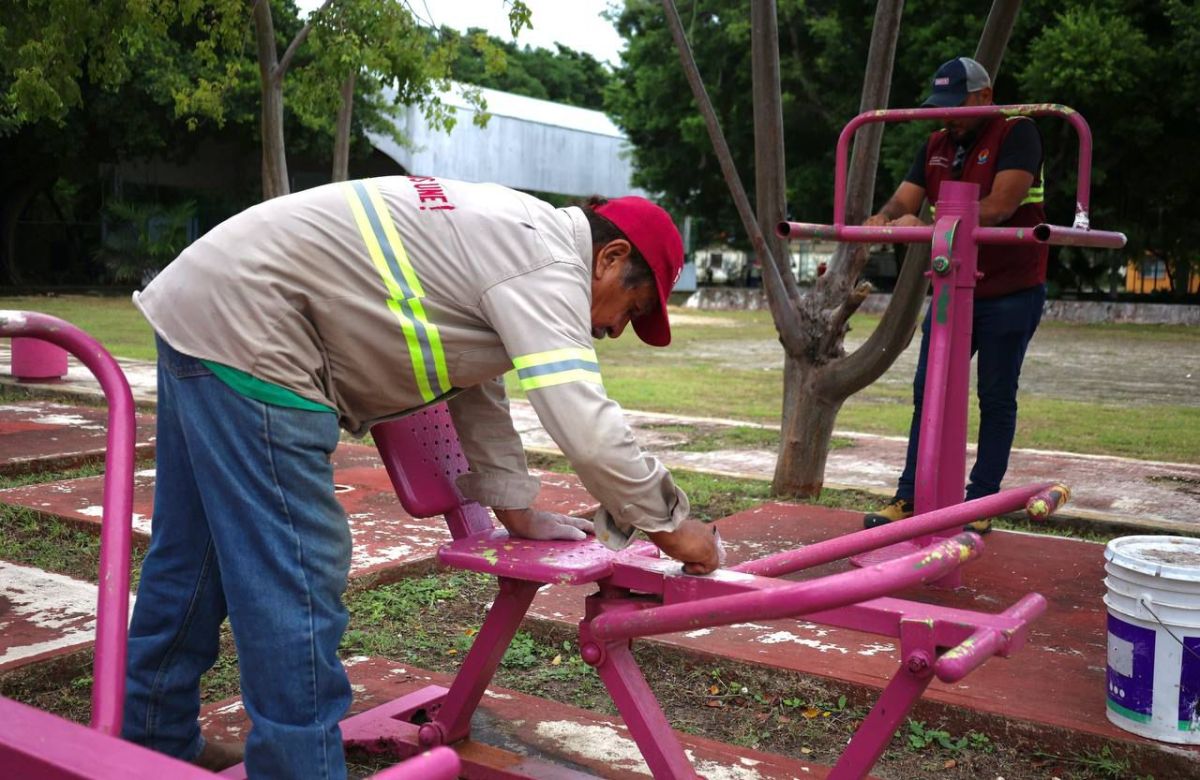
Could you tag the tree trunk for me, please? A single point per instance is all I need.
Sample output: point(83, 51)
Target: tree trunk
point(341, 136)
point(770, 183)
point(274, 157)
point(807, 428)
point(810, 411)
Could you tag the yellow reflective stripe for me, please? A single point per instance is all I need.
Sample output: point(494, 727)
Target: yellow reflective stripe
point(404, 293)
point(553, 356)
point(414, 284)
point(561, 378)
point(393, 238)
point(557, 367)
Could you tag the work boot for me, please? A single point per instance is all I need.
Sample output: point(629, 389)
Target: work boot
point(897, 509)
point(218, 756)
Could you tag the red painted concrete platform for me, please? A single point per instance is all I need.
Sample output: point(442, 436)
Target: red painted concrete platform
point(43, 436)
point(1057, 679)
point(43, 615)
point(575, 742)
point(387, 540)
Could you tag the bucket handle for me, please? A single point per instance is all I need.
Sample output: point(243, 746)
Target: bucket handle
point(1146, 601)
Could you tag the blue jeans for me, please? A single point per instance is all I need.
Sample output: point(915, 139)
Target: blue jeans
point(245, 525)
point(1000, 332)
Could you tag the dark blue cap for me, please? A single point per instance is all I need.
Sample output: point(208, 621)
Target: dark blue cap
point(954, 80)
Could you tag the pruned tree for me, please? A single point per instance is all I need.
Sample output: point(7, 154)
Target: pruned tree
point(818, 374)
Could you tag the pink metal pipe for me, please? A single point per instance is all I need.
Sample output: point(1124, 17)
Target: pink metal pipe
point(957, 662)
point(1063, 236)
point(856, 233)
point(944, 519)
point(112, 609)
point(1040, 234)
point(1084, 176)
point(837, 590)
point(441, 763)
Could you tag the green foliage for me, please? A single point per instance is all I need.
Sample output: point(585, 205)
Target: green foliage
point(1132, 68)
point(920, 737)
point(143, 237)
point(562, 75)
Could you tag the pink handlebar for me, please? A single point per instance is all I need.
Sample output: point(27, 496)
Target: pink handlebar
point(112, 611)
point(1041, 234)
point(838, 590)
point(958, 662)
point(1083, 187)
point(1047, 502)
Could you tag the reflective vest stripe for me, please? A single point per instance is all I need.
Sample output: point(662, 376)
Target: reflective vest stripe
point(403, 287)
point(557, 367)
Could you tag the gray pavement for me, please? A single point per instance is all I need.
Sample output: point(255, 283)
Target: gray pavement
point(1150, 494)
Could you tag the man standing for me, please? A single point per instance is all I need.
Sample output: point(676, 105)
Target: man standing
point(1003, 155)
point(350, 304)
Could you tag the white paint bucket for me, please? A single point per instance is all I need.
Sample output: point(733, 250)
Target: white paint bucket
point(1153, 602)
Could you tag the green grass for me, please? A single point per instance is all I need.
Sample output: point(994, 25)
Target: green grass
point(702, 375)
point(111, 319)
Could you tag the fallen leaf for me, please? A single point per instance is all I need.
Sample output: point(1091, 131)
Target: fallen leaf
point(811, 713)
point(452, 651)
point(556, 660)
point(713, 703)
point(471, 631)
point(714, 689)
point(806, 750)
point(826, 714)
point(950, 764)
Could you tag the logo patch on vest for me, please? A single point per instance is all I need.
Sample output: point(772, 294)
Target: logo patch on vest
point(983, 157)
point(939, 160)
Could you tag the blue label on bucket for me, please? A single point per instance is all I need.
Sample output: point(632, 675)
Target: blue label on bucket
point(1189, 685)
point(1130, 670)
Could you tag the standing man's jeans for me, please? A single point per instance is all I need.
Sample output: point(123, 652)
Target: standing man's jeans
point(245, 524)
point(1000, 332)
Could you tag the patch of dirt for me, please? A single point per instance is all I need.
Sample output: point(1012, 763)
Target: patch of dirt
point(1189, 486)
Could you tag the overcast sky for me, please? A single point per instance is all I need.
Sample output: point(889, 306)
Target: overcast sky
point(573, 23)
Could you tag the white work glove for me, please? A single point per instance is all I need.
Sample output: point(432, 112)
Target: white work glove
point(539, 524)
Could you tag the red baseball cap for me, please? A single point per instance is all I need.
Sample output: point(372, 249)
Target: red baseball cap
point(653, 233)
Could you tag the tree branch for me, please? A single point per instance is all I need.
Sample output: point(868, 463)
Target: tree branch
point(286, 60)
point(787, 322)
point(769, 168)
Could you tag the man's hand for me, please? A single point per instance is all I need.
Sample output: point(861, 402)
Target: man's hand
point(908, 220)
point(693, 543)
point(537, 524)
point(878, 220)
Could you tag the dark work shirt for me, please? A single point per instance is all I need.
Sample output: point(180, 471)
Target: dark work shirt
point(1021, 150)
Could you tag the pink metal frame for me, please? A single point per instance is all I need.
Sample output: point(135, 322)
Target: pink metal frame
point(39, 746)
point(640, 594)
point(955, 237)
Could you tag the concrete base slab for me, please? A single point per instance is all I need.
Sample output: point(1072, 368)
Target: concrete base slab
point(1057, 679)
point(45, 436)
point(43, 615)
point(1162, 496)
point(388, 542)
point(540, 732)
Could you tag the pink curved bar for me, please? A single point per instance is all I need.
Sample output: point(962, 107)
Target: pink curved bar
point(1083, 187)
point(112, 609)
point(837, 590)
point(440, 763)
point(944, 519)
point(957, 662)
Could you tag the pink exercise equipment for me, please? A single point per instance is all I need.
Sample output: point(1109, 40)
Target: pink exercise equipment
point(36, 745)
point(955, 237)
